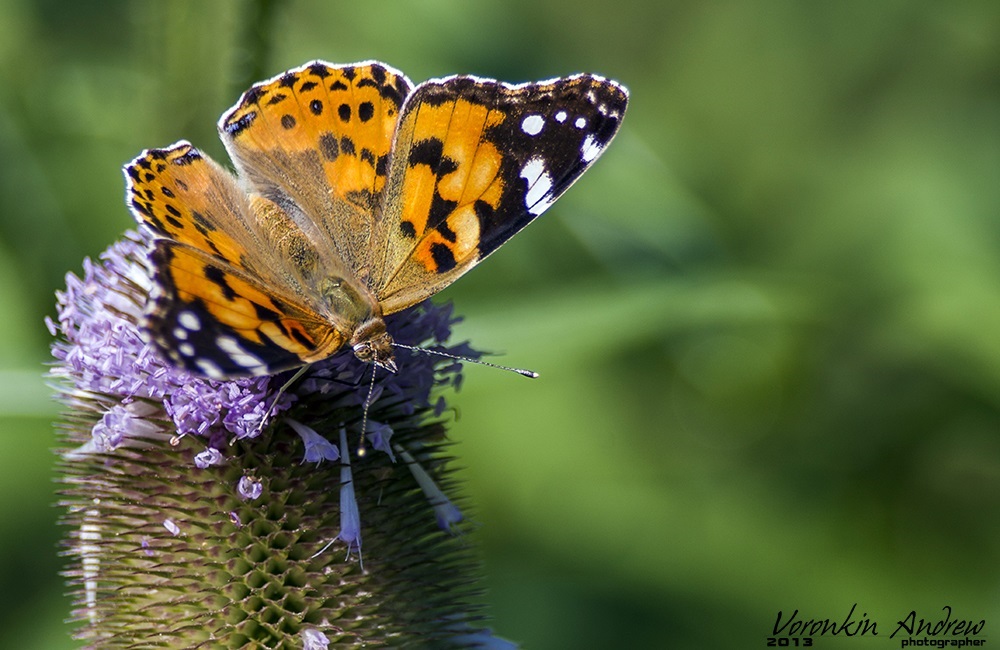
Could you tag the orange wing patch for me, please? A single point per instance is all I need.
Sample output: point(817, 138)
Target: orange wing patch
point(452, 170)
point(185, 196)
point(343, 116)
point(476, 160)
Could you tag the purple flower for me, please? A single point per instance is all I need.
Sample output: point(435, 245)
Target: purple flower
point(172, 526)
point(445, 512)
point(380, 436)
point(249, 488)
point(207, 458)
point(317, 447)
point(469, 637)
point(313, 639)
point(103, 361)
point(123, 421)
point(350, 519)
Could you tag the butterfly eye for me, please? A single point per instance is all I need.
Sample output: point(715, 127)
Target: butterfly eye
point(377, 352)
point(363, 351)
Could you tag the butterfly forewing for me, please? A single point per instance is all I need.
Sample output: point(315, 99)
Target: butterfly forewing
point(473, 162)
point(181, 194)
point(316, 140)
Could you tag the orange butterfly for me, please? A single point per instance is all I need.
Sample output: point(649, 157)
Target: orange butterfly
point(358, 196)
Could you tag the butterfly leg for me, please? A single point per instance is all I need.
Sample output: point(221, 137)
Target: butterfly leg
point(281, 391)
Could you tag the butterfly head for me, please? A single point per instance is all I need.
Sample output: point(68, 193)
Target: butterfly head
point(372, 344)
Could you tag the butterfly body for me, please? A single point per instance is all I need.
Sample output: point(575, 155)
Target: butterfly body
point(358, 196)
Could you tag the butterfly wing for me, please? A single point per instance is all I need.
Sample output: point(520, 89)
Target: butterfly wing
point(473, 162)
point(214, 319)
point(217, 261)
point(316, 141)
point(181, 194)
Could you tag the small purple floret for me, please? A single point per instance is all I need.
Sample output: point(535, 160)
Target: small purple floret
point(317, 447)
point(208, 458)
point(313, 639)
point(350, 519)
point(249, 488)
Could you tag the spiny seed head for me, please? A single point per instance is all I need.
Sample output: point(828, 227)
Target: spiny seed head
point(198, 520)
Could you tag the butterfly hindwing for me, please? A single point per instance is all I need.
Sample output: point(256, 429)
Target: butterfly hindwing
point(476, 160)
point(214, 319)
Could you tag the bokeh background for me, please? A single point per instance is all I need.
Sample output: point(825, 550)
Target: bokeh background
point(767, 321)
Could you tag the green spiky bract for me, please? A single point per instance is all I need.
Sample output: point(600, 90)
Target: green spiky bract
point(222, 585)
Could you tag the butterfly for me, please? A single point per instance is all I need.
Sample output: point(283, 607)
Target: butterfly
point(358, 195)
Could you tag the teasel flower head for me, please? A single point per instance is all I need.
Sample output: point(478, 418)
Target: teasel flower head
point(221, 514)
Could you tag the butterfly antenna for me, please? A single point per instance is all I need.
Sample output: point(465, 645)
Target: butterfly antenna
point(521, 371)
point(364, 417)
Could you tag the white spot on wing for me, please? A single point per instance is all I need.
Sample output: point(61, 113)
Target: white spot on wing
point(539, 196)
point(210, 369)
point(186, 349)
point(533, 169)
point(532, 125)
point(591, 148)
point(580, 122)
point(189, 321)
point(239, 356)
point(180, 333)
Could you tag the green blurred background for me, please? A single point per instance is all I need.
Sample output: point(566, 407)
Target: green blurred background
point(767, 322)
